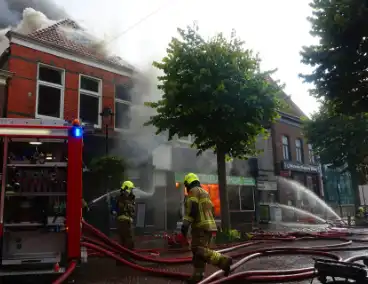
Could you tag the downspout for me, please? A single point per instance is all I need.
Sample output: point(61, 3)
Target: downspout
point(275, 160)
point(6, 96)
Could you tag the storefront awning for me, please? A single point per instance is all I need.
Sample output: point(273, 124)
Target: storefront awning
point(211, 179)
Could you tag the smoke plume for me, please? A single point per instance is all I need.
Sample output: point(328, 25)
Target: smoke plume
point(31, 21)
point(11, 10)
point(142, 140)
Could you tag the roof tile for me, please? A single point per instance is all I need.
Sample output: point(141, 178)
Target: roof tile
point(55, 36)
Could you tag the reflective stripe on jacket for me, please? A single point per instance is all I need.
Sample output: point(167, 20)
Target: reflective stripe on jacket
point(199, 210)
point(126, 208)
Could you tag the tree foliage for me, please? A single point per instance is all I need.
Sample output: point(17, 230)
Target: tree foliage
point(337, 138)
point(340, 140)
point(340, 59)
point(215, 91)
point(108, 168)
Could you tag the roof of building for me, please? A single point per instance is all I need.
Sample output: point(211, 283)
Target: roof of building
point(54, 36)
point(290, 108)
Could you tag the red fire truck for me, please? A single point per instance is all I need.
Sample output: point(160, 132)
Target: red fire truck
point(41, 195)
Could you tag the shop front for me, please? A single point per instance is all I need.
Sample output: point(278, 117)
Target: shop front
point(307, 176)
point(240, 194)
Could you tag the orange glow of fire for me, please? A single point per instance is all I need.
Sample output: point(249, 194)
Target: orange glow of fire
point(213, 191)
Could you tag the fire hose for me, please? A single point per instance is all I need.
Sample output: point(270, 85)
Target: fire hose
point(108, 247)
point(66, 274)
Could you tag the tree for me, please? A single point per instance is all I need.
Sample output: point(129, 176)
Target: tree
point(214, 90)
point(108, 168)
point(340, 59)
point(340, 139)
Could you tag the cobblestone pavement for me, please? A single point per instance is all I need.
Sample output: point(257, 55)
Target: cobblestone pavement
point(104, 271)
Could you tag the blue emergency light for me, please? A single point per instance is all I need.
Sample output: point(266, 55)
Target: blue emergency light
point(76, 131)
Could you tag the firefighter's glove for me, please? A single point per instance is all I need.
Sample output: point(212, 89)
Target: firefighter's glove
point(184, 230)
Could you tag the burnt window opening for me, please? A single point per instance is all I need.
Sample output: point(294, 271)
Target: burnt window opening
point(89, 110)
point(123, 92)
point(89, 84)
point(90, 100)
point(122, 115)
point(49, 100)
point(50, 92)
point(50, 75)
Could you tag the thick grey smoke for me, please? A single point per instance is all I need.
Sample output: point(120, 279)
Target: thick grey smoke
point(11, 10)
point(141, 140)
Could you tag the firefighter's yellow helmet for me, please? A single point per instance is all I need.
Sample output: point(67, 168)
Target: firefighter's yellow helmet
point(189, 178)
point(361, 209)
point(127, 186)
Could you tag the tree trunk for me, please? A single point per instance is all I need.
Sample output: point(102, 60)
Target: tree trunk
point(224, 201)
point(355, 186)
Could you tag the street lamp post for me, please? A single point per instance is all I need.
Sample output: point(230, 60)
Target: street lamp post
point(105, 114)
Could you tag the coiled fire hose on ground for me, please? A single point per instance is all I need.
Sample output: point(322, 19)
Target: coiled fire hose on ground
point(101, 244)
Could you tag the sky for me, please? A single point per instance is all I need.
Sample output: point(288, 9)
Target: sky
point(275, 29)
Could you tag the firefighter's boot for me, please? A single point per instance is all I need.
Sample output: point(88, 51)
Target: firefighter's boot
point(225, 264)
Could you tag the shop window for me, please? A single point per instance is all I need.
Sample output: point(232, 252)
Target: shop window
point(149, 216)
point(50, 92)
point(299, 150)
point(233, 196)
point(285, 148)
point(246, 198)
point(213, 191)
point(241, 198)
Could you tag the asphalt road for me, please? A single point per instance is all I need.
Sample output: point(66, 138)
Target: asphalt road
point(99, 271)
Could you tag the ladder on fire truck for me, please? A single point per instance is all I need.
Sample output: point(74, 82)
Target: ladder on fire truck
point(40, 208)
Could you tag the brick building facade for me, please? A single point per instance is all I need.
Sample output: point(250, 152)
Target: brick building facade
point(294, 159)
point(54, 77)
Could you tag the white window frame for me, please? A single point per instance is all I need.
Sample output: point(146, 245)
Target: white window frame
point(285, 155)
point(92, 94)
point(299, 150)
point(187, 139)
point(240, 202)
point(48, 84)
point(312, 158)
point(120, 101)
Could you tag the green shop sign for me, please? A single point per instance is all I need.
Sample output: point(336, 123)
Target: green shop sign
point(206, 179)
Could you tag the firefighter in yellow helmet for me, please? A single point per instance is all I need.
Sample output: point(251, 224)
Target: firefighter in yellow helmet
point(360, 216)
point(124, 211)
point(199, 214)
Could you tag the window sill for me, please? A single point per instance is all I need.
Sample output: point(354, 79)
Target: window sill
point(95, 126)
point(40, 116)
